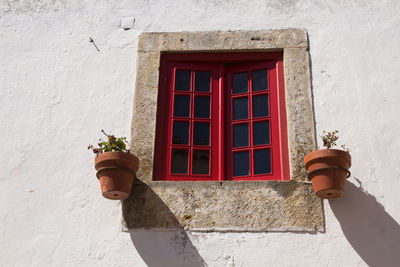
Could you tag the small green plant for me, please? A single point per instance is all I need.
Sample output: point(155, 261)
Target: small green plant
point(111, 144)
point(329, 140)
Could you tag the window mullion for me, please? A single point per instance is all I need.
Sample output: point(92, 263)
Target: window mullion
point(220, 106)
point(251, 156)
point(190, 159)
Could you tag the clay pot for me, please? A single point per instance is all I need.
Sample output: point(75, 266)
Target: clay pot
point(328, 171)
point(116, 172)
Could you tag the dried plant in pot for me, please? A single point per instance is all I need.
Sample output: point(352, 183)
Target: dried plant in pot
point(115, 165)
point(328, 168)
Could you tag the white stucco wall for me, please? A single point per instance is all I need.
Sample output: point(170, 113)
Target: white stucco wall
point(57, 91)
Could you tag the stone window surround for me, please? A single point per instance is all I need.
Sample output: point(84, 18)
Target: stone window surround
point(228, 205)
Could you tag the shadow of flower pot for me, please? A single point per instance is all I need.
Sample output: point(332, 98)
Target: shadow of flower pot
point(158, 243)
point(370, 230)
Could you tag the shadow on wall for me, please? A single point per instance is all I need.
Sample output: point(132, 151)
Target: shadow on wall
point(372, 232)
point(159, 248)
point(169, 249)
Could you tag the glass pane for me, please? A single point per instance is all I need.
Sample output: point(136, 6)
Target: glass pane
point(261, 133)
point(262, 161)
point(260, 106)
point(201, 106)
point(201, 133)
point(240, 83)
point(241, 163)
point(240, 108)
point(240, 135)
point(182, 80)
point(180, 133)
point(179, 161)
point(182, 106)
point(202, 81)
point(201, 161)
point(260, 81)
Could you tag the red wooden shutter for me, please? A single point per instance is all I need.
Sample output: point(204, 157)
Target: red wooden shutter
point(253, 145)
point(194, 119)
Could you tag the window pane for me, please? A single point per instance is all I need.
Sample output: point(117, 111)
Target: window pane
point(241, 163)
point(260, 81)
point(240, 83)
point(180, 132)
point(262, 161)
point(240, 108)
point(182, 106)
point(261, 133)
point(240, 135)
point(201, 159)
point(179, 161)
point(182, 80)
point(260, 106)
point(201, 133)
point(202, 81)
point(201, 106)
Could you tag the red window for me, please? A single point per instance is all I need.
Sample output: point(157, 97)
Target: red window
point(221, 117)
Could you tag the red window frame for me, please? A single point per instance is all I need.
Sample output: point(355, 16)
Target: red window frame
point(220, 64)
point(213, 120)
point(272, 118)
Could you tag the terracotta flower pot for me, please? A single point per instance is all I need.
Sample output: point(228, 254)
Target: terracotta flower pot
point(328, 170)
point(116, 171)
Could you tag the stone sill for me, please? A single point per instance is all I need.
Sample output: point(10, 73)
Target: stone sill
point(223, 206)
point(229, 183)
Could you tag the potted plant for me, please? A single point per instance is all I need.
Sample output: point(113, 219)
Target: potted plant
point(115, 165)
point(328, 168)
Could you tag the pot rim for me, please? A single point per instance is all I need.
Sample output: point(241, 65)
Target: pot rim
point(117, 158)
point(324, 153)
point(121, 153)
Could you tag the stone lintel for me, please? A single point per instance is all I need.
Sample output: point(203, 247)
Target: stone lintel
point(222, 40)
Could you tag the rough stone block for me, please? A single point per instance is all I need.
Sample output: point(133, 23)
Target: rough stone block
point(227, 206)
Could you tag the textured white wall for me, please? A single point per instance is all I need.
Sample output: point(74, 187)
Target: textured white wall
point(57, 91)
